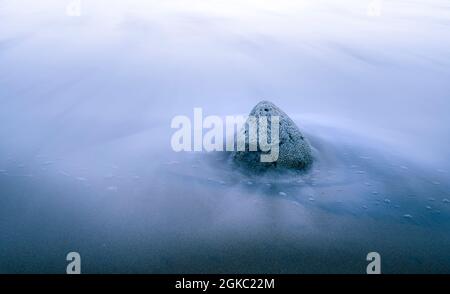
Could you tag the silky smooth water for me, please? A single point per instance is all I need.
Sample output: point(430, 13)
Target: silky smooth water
point(86, 163)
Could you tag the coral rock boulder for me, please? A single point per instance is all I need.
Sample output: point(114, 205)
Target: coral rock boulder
point(294, 151)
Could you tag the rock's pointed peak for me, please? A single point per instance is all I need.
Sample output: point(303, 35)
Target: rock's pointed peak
point(264, 102)
point(265, 105)
point(267, 108)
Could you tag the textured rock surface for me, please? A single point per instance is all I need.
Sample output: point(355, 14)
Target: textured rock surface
point(294, 149)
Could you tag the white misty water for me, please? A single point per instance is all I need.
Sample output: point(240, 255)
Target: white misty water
point(86, 163)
